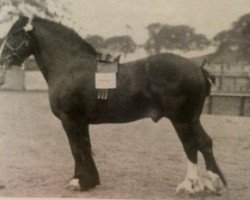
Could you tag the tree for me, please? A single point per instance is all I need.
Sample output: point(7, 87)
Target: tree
point(243, 21)
point(153, 44)
point(11, 8)
point(123, 44)
point(235, 39)
point(246, 44)
point(154, 28)
point(224, 36)
point(96, 41)
point(169, 37)
point(182, 37)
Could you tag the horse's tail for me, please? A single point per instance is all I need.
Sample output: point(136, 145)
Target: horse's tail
point(209, 79)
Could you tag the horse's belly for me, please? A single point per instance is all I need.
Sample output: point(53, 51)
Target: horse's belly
point(119, 115)
point(124, 113)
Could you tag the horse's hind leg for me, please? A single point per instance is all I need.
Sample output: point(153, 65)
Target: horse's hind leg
point(194, 138)
point(192, 183)
point(86, 175)
point(214, 174)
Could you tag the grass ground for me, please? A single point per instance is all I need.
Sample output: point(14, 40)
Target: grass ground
point(135, 160)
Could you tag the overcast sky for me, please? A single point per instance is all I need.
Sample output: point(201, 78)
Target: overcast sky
point(110, 17)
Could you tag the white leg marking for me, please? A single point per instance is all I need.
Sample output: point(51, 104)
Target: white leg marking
point(192, 170)
point(192, 183)
point(73, 185)
point(213, 182)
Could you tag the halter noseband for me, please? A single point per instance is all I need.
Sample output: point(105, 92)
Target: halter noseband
point(14, 50)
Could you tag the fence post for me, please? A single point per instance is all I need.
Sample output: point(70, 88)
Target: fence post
point(210, 102)
point(242, 105)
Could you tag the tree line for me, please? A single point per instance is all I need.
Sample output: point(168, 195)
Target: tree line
point(161, 37)
point(164, 37)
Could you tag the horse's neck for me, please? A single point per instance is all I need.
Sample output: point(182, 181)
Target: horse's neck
point(54, 55)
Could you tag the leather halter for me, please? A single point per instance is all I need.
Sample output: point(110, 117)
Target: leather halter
point(14, 53)
point(14, 50)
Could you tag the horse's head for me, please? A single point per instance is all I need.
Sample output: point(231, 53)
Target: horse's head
point(17, 45)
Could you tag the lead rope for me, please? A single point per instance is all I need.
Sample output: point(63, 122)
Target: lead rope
point(2, 76)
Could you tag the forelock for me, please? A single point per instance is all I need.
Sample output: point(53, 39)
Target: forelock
point(28, 26)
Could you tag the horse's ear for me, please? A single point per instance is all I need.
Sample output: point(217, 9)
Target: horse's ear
point(20, 15)
point(27, 14)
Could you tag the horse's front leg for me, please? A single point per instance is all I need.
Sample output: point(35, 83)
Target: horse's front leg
point(86, 175)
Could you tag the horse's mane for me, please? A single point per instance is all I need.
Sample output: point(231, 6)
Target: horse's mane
point(18, 25)
point(69, 34)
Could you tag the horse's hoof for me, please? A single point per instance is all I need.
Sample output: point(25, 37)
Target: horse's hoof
point(190, 186)
point(73, 185)
point(213, 182)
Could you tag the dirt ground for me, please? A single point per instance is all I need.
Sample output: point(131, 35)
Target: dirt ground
point(135, 160)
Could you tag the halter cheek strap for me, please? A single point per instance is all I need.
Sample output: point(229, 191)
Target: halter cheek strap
point(15, 53)
point(16, 49)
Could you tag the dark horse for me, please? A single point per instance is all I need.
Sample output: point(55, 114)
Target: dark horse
point(163, 85)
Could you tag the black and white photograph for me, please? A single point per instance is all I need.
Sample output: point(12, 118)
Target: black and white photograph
point(125, 99)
